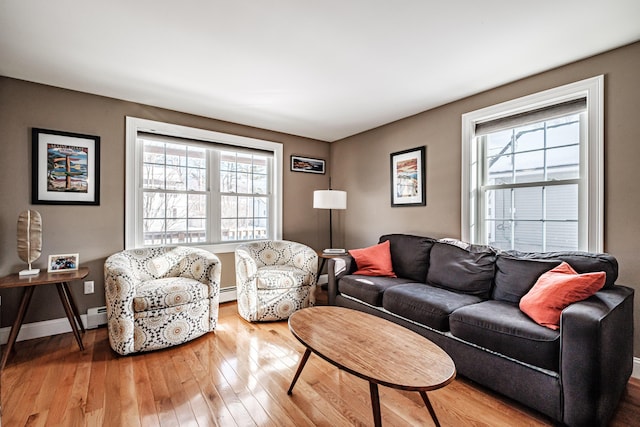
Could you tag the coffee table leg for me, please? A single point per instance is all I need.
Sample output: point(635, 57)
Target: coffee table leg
point(375, 404)
point(430, 408)
point(303, 361)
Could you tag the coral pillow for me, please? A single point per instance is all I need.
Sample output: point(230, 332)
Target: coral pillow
point(555, 290)
point(374, 260)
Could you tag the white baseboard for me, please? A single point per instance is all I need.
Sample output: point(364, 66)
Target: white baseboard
point(46, 328)
point(636, 368)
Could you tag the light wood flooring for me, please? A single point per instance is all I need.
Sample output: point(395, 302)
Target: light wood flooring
point(238, 375)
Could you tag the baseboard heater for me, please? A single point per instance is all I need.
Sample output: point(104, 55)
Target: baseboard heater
point(96, 316)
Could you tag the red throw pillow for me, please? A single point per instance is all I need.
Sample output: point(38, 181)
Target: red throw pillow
point(374, 260)
point(555, 290)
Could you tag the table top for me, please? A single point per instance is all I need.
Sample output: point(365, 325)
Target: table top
point(43, 278)
point(373, 348)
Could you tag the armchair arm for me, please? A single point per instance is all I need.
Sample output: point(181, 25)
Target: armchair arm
point(596, 355)
point(336, 268)
point(120, 281)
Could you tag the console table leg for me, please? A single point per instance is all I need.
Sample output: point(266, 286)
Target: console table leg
point(375, 404)
point(74, 307)
point(303, 362)
point(70, 316)
point(427, 402)
point(26, 298)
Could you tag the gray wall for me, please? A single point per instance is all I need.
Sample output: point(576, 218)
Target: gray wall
point(95, 232)
point(360, 163)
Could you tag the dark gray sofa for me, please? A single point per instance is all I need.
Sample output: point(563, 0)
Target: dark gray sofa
point(465, 299)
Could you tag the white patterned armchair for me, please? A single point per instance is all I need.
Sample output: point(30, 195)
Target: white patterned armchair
point(160, 297)
point(274, 279)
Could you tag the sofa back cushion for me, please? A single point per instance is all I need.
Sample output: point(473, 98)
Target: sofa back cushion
point(515, 276)
point(409, 255)
point(581, 262)
point(462, 267)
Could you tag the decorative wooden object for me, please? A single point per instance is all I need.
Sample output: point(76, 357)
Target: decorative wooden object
point(29, 239)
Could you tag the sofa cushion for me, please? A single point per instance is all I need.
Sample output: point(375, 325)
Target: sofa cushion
point(501, 327)
point(367, 288)
point(515, 276)
point(581, 262)
point(468, 269)
point(409, 255)
point(425, 304)
point(555, 290)
point(374, 260)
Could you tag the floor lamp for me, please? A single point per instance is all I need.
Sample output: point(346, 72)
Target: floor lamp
point(330, 199)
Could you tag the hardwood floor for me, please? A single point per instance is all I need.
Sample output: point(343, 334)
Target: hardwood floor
point(238, 375)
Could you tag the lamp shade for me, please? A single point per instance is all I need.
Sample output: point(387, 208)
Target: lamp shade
point(330, 199)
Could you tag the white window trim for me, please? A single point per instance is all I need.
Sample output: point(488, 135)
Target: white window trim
point(133, 177)
point(592, 157)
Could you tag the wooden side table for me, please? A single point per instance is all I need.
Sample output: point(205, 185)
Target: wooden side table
point(61, 280)
point(324, 257)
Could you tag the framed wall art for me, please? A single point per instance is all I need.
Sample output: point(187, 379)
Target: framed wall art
point(64, 262)
point(408, 178)
point(65, 168)
point(306, 164)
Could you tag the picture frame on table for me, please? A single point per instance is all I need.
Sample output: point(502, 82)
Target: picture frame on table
point(63, 262)
point(408, 177)
point(65, 168)
point(307, 164)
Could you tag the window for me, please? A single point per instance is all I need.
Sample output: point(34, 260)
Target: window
point(192, 186)
point(532, 171)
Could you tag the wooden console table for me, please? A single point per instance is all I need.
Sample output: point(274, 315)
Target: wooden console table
point(61, 280)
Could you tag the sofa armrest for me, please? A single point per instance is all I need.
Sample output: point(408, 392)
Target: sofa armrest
point(336, 268)
point(596, 355)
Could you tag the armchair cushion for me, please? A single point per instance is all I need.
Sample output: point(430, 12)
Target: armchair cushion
point(168, 292)
point(280, 277)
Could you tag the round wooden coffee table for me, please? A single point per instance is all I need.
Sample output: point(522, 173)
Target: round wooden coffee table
point(373, 349)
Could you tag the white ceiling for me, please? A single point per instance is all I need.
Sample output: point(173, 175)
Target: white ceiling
point(322, 69)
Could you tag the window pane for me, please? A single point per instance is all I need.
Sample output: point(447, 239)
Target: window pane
point(563, 162)
point(244, 162)
point(153, 231)
point(260, 164)
point(153, 205)
point(500, 170)
point(197, 157)
point(197, 230)
point(499, 143)
point(528, 236)
point(176, 154)
point(153, 176)
point(563, 131)
point(228, 182)
point(197, 205)
point(499, 233)
point(261, 207)
point(153, 152)
point(197, 179)
point(175, 177)
point(245, 207)
point(176, 205)
point(229, 229)
point(260, 184)
point(229, 206)
point(528, 203)
point(529, 166)
point(530, 137)
point(562, 236)
point(562, 202)
point(243, 182)
point(227, 161)
point(261, 229)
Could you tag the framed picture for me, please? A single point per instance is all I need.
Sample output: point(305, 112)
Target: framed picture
point(65, 169)
point(306, 164)
point(64, 262)
point(408, 178)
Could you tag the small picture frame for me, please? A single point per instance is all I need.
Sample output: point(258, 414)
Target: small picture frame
point(63, 262)
point(408, 178)
point(65, 168)
point(307, 164)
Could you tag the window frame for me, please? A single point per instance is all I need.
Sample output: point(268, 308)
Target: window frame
point(134, 178)
point(591, 187)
